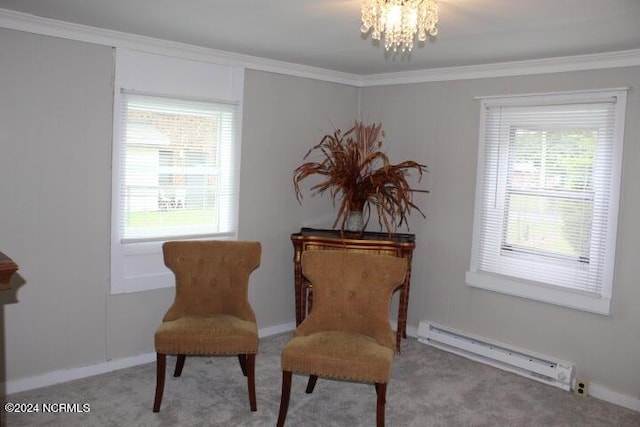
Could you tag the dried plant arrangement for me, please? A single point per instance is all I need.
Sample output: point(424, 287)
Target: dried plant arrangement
point(358, 175)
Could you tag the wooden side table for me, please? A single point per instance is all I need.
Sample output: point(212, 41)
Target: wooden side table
point(7, 268)
point(396, 244)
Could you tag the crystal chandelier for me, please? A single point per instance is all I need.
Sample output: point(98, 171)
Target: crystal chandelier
point(400, 20)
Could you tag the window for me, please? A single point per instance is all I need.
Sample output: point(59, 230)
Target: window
point(177, 175)
point(547, 197)
point(176, 161)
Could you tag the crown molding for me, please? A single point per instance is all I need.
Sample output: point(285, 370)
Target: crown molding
point(66, 30)
point(51, 27)
point(627, 58)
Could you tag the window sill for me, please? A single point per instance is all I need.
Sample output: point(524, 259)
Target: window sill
point(138, 267)
point(539, 292)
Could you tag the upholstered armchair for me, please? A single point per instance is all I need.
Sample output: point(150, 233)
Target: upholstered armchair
point(211, 314)
point(347, 335)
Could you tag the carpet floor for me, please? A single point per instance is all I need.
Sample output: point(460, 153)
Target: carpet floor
point(429, 387)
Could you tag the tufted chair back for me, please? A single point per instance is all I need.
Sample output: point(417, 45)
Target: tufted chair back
point(212, 277)
point(352, 293)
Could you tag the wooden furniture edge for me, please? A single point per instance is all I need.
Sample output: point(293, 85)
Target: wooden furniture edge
point(7, 268)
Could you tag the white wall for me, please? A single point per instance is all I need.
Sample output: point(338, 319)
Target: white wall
point(437, 123)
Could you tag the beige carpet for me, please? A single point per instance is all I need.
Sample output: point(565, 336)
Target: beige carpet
point(429, 387)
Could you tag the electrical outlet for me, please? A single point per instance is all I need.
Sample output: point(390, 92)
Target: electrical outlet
point(581, 387)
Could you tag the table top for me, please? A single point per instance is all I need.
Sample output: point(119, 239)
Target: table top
point(367, 235)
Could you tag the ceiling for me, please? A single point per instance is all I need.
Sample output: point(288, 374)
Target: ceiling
point(326, 33)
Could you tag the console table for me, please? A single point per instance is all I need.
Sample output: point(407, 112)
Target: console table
point(395, 244)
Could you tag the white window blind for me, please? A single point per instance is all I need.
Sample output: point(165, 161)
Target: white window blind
point(547, 194)
point(178, 168)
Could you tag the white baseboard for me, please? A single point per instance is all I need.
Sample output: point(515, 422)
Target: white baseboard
point(412, 331)
point(603, 393)
point(277, 329)
point(64, 375)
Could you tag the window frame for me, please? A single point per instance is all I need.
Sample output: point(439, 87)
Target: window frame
point(226, 147)
point(541, 286)
point(139, 266)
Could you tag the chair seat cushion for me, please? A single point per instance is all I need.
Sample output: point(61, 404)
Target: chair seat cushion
point(338, 355)
point(215, 335)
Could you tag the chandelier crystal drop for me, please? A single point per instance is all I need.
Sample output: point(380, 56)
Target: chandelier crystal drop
point(400, 20)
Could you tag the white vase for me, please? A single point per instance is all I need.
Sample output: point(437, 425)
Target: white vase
point(355, 222)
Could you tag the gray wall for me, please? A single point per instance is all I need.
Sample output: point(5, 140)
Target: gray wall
point(55, 130)
point(55, 183)
point(55, 149)
point(438, 124)
point(283, 117)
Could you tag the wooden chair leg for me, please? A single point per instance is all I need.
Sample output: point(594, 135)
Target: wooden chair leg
point(381, 391)
point(161, 364)
point(284, 398)
point(179, 365)
point(251, 380)
point(242, 358)
point(311, 384)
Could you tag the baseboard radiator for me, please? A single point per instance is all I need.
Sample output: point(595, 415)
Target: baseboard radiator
point(538, 367)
